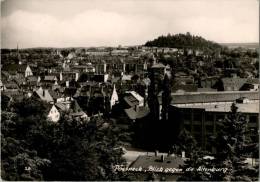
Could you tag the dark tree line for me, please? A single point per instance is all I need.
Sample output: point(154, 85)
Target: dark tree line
point(182, 41)
point(34, 148)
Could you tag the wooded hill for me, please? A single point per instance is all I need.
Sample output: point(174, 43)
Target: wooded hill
point(183, 41)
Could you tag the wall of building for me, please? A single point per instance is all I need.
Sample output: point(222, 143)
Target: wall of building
point(203, 124)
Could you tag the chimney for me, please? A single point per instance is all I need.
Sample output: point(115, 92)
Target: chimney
point(38, 79)
point(67, 84)
point(77, 77)
point(124, 68)
point(105, 68)
point(60, 76)
point(182, 154)
point(156, 153)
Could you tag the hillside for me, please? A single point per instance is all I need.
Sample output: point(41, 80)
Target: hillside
point(182, 41)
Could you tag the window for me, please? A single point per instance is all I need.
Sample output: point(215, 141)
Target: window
point(187, 117)
point(209, 129)
point(197, 117)
point(197, 128)
point(187, 127)
point(253, 119)
point(209, 117)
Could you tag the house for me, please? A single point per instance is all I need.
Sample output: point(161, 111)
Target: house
point(77, 112)
point(251, 85)
point(202, 119)
point(54, 114)
point(134, 114)
point(159, 67)
point(136, 97)
point(28, 71)
point(70, 106)
point(69, 75)
point(114, 97)
point(119, 52)
point(17, 68)
point(32, 80)
point(10, 86)
point(50, 78)
point(136, 108)
point(1, 85)
point(164, 167)
point(99, 77)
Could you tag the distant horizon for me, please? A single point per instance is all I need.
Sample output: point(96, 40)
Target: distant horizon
point(111, 46)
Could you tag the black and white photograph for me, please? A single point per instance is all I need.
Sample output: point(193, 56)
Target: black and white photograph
point(129, 90)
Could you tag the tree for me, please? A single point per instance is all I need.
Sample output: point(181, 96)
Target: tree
point(195, 160)
point(219, 85)
point(34, 148)
point(18, 160)
point(232, 147)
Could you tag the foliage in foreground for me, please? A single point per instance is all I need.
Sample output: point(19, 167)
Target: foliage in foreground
point(34, 148)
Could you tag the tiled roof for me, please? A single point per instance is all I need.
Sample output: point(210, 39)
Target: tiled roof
point(50, 78)
point(11, 85)
point(53, 94)
point(131, 100)
point(233, 83)
point(32, 79)
point(140, 113)
point(61, 106)
point(159, 65)
point(253, 81)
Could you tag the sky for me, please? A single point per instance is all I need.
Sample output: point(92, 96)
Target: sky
point(84, 23)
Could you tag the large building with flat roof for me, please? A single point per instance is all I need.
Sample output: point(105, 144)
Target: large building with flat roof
point(201, 116)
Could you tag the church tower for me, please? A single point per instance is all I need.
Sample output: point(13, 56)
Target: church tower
point(18, 60)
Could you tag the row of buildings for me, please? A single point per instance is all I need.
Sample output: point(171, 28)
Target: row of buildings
point(103, 80)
